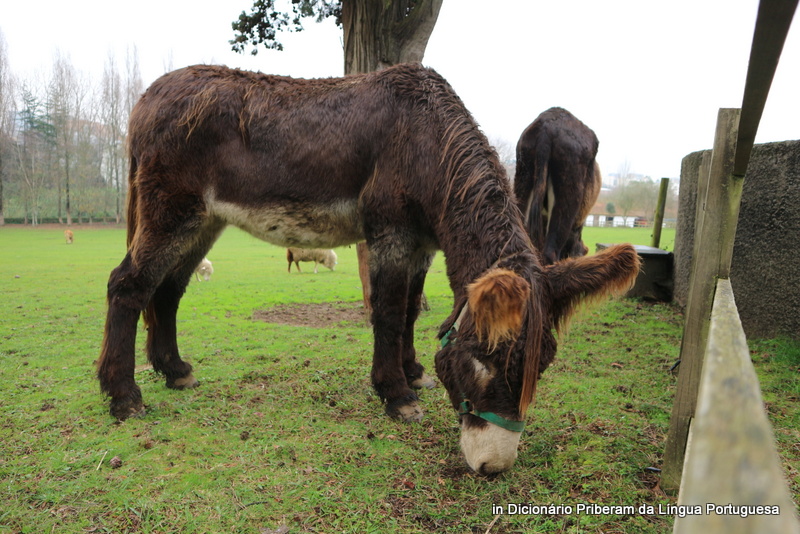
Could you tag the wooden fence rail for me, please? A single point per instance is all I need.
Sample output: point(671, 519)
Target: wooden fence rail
point(732, 467)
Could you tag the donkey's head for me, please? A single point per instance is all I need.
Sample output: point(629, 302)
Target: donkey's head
point(496, 345)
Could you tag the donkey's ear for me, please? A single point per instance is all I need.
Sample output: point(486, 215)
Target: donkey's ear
point(611, 271)
point(497, 301)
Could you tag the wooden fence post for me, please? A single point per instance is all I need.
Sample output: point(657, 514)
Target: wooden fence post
point(714, 235)
point(658, 221)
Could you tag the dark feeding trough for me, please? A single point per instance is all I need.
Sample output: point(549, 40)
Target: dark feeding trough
point(655, 280)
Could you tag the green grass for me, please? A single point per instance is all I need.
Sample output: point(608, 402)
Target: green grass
point(637, 236)
point(285, 429)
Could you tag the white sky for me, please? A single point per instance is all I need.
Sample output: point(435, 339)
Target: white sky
point(647, 76)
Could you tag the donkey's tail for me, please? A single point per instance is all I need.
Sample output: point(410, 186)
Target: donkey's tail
point(537, 229)
point(133, 195)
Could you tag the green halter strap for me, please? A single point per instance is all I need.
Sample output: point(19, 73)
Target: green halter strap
point(514, 426)
point(454, 329)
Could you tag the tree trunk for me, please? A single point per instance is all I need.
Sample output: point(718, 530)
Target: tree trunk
point(66, 190)
point(377, 35)
point(58, 203)
point(2, 211)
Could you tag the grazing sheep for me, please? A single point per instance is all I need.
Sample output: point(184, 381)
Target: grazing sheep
point(68, 235)
point(318, 255)
point(204, 269)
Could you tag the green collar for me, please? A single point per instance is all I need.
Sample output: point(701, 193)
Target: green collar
point(514, 426)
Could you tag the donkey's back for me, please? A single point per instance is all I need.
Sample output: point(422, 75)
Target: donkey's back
point(285, 159)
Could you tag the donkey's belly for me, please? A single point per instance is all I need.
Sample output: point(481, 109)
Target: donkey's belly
point(294, 224)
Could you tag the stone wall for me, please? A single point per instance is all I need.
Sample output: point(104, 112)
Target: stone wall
point(765, 271)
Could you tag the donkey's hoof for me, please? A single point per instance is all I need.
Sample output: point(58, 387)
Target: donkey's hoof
point(186, 382)
point(423, 382)
point(126, 410)
point(408, 413)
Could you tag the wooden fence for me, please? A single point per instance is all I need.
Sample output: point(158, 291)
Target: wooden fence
point(720, 450)
point(732, 474)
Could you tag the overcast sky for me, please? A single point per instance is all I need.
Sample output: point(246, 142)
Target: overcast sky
point(647, 76)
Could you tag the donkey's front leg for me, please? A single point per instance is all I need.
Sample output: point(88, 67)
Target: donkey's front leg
point(415, 373)
point(389, 299)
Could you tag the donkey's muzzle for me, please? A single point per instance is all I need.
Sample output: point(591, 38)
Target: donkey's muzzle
point(488, 448)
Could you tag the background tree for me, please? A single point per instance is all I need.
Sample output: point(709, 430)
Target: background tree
point(624, 200)
point(6, 117)
point(645, 196)
point(66, 96)
point(639, 195)
point(34, 150)
point(611, 210)
point(113, 117)
point(376, 35)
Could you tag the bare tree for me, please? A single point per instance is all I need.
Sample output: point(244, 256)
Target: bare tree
point(623, 173)
point(35, 150)
point(646, 195)
point(624, 199)
point(114, 109)
point(507, 153)
point(6, 117)
point(134, 86)
point(66, 97)
point(636, 195)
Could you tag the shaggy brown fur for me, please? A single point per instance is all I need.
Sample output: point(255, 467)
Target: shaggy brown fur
point(498, 301)
point(557, 182)
point(391, 157)
point(69, 236)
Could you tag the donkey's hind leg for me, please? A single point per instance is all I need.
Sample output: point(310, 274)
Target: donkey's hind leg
point(130, 289)
point(127, 297)
point(162, 310)
point(153, 254)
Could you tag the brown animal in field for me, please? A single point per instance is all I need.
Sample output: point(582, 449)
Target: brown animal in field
point(391, 157)
point(69, 236)
point(557, 182)
point(326, 257)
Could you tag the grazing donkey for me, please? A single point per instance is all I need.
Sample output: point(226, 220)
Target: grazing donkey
point(392, 157)
point(557, 182)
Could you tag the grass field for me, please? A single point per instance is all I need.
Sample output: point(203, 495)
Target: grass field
point(284, 433)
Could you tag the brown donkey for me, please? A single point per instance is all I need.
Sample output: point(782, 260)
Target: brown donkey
point(392, 157)
point(557, 182)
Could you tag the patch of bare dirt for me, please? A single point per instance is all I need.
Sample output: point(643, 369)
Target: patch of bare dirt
point(319, 315)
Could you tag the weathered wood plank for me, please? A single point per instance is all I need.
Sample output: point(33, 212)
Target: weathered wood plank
point(718, 211)
point(772, 26)
point(658, 219)
point(732, 459)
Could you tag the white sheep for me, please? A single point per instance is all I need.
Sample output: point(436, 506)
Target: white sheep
point(205, 269)
point(324, 256)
